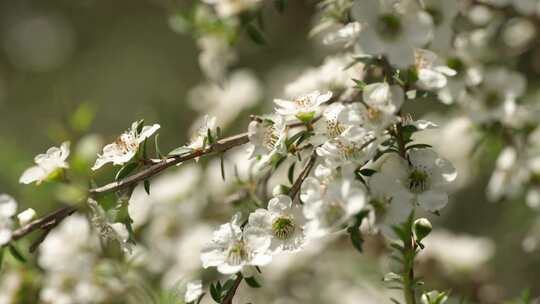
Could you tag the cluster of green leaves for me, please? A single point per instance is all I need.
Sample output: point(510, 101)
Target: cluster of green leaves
point(219, 291)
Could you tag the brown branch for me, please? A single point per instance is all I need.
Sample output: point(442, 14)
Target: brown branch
point(46, 223)
point(221, 145)
point(232, 291)
point(303, 175)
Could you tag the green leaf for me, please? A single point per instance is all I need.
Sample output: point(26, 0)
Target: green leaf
point(180, 151)
point(222, 160)
point(82, 118)
point(252, 282)
point(1, 257)
point(140, 125)
point(290, 173)
point(356, 238)
point(156, 146)
point(255, 34)
point(228, 284)
point(147, 186)
point(215, 293)
point(359, 84)
point(15, 253)
point(126, 170)
point(200, 298)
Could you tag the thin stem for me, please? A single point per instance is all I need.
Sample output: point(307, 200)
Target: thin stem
point(46, 223)
point(221, 145)
point(303, 175)
point(232, 291)
point(408, 271)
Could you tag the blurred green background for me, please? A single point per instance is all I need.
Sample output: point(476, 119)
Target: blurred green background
point(121, 60)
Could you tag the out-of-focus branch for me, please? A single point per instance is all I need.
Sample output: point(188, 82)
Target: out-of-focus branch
point(303, 175)
point(45, 223)
point(232, 291)
point(221, 145)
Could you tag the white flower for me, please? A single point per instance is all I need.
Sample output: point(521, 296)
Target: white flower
point(509, 176)
point(231, 248)
point(125, 146)
point(457, 253)
point(283, 223)
point(194, 290)
point(432, 75)
point(228, 8)
point(267, 138)
point(353, 146)
point(497, 98)
point(330, 76)
point(8, 208)
point(422, 180)
point(26, 216)
point(304, 107)
point(216, 56)
point(381, 102)
point(335, 120)
point(392, 28)
point(346, 34)
point(443, 14)
point(225, 101)
point(70, 247)
point(47, 165)
point(330, 203)
point(200, 135)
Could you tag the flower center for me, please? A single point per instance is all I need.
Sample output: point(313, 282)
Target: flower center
point(237, 253)
point(493, 100)
point(283, 227)
point(127, 142)
point(303, 101)
point(334, 128)
point(388, 26)
point(436, 15)
point(334, 213)
point(373, 114)
point(271, 137)
point(456, 64)
point(418, 181)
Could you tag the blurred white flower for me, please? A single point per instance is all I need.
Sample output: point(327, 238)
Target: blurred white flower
point(510, 174)
point(304, 107)
point(226, 101)
point(215, 57)
point(125, 146)
point(329, 203)
point(8, 208)
point(392, 28)
point(432, 75)
point(283, 223)
point(330, 76)
point(229, 8)
point(108, 230)
point(518, 32)
point(457, 253)
point(434, 297)
point(48, 165)
point(231, 248)
point(346, 34)
point(194, 290)
point(26, 216)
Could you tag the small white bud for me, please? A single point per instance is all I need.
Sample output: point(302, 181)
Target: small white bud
point(26, 216)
